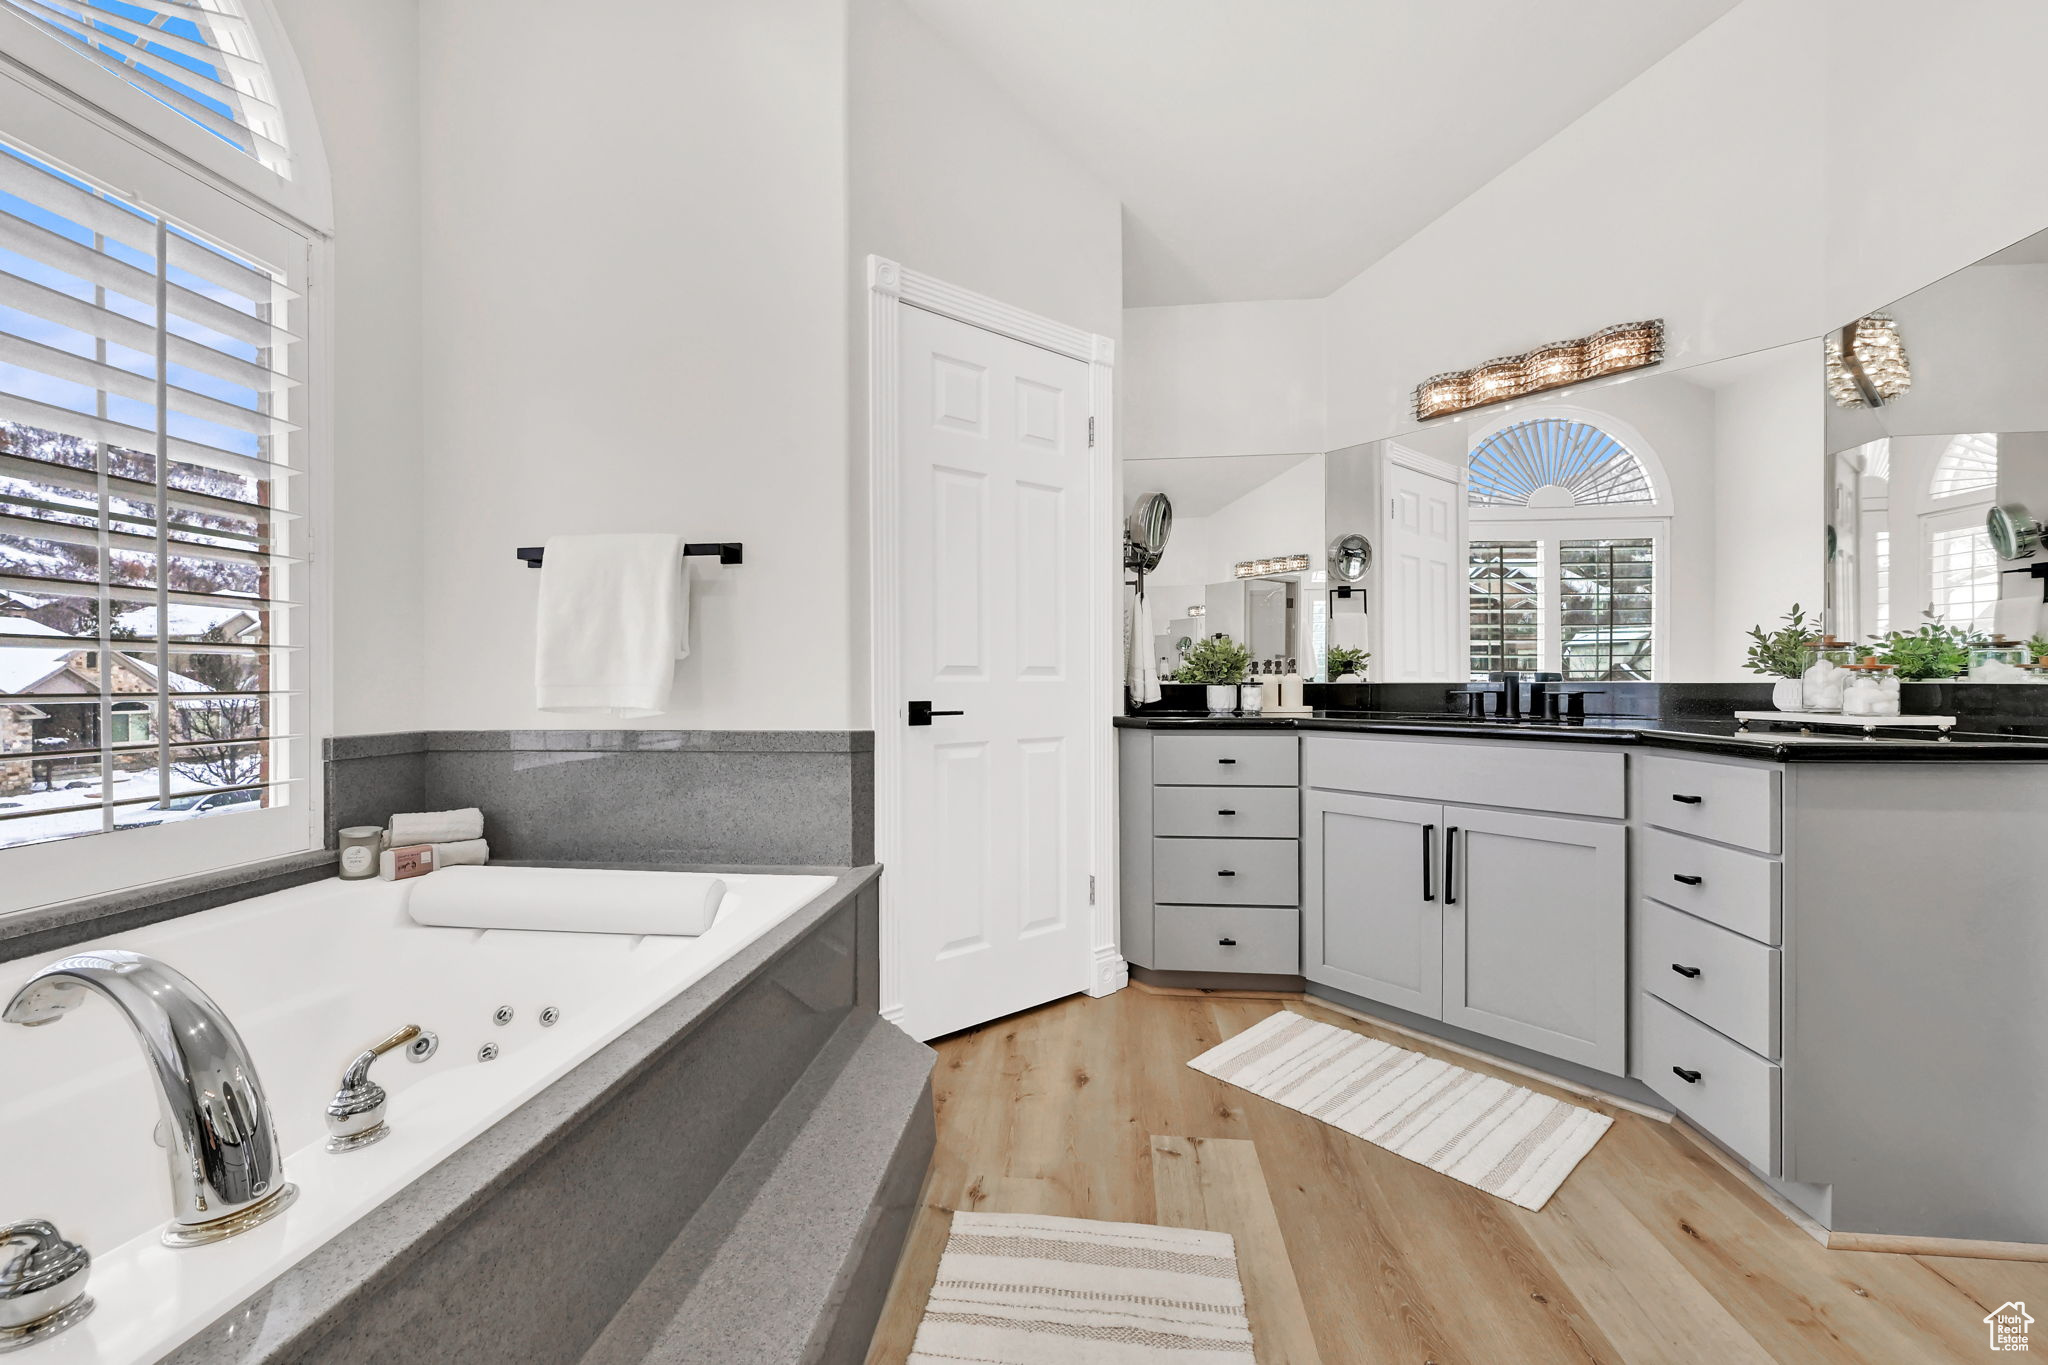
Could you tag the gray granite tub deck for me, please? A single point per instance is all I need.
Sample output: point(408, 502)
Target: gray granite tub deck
point(731, 1180)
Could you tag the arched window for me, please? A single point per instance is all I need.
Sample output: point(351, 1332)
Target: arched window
point(1556, 462)
point(1968, 465)
point(1561, 580)
point(199, 58)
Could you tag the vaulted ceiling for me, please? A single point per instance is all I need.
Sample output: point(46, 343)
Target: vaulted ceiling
point(1272, 149)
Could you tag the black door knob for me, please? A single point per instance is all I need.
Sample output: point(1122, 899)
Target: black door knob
point(921, 713)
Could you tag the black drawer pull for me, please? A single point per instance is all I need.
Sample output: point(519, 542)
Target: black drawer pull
point(1226, 812)
point(1687, 800)
point(1683, 879)
point(1226, 872)
point(1689, 1077)
point(1687, 972)
point(1226, 943)
point(1226, 762)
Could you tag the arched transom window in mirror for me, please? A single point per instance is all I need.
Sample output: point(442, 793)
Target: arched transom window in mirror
point(1556, 462)
point(1969, 464)
point(200, 58)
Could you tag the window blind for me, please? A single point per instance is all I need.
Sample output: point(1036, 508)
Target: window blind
point(146, 589)
point(198, 57)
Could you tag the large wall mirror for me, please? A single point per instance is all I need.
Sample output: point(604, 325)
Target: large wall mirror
point(1626, 530)
point(1936, 418)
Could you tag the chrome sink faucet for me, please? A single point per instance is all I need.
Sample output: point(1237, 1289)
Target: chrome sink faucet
point(227, 1172)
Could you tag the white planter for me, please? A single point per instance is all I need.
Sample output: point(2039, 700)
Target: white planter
point(1222, 699)
point(1788, 694)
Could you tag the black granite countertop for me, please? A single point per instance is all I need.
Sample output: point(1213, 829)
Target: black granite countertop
point(2024, 740)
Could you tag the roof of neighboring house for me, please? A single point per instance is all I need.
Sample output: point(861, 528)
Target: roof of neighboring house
point(186, 621)
point(27, 669)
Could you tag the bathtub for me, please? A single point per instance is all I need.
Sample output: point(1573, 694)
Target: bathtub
point(310, 977)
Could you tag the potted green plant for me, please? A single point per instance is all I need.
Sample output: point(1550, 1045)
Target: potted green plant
point(1219, 664)
point(1781, 654)
point(1936, 650)
point(1345, 662)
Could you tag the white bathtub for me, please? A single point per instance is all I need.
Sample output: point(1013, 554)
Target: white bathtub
point(310, 977)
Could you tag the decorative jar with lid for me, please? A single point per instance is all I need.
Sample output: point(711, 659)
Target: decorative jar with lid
point(1997, 660)
point(1821, 684)
point(1872, 690)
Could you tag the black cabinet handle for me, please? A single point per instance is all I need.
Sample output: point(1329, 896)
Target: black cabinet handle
point(1226, 943)
point(1687, 800)
point(1226, 872)
point(1226, 762)
point(1428, 856)
point(1451, 866)
point(1687, 972)
point(1226, 812)
point(1684, 880)
point(1689, 1077)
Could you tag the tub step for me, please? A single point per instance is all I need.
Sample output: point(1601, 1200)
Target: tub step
point(775, 1268)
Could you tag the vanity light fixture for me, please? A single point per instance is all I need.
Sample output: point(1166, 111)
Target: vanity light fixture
point(1259, 568)
point(1612, 350)
point(1867, 365)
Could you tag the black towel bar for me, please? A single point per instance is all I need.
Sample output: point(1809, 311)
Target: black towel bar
point(728, 551)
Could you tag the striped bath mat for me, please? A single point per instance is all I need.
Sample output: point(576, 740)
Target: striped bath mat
point(1491, 1135)
point(1028, 1289)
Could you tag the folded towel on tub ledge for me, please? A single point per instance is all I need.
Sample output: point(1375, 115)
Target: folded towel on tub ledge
point(585, 900)
point(437, 827)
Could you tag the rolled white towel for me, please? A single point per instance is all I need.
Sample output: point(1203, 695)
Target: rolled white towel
point(437, 827)
point(462, 853)
point(580, 899)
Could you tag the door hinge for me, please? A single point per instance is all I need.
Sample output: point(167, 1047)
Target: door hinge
point(1091, 888)
point(1091, 433)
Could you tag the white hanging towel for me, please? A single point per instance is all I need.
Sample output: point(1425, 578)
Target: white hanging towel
point(1141, 663)
point(614, 618)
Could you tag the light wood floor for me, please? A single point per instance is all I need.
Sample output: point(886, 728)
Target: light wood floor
point(1650, 1253)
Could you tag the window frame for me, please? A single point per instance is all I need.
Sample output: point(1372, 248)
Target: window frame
point(1549, 534)
point(57, 123)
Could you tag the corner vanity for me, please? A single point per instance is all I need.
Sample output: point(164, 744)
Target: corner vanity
point(1824, 952)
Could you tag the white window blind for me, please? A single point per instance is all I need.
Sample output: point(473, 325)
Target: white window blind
point(200, 58)
point(147, 584)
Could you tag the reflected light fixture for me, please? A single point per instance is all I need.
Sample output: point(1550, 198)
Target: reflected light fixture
point(1867, 365)
point(1259, 568)
point(1612, 350)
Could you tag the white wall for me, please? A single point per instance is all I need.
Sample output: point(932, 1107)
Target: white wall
point(1694, 193)
point(1770, 509)
point(361, 63)
point(1223, 379)
point(635, 320)
point(948, 177)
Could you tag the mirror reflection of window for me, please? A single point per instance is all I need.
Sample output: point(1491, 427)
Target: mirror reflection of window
point(1573, 589)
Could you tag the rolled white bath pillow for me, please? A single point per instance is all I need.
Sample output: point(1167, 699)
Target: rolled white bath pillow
point(436, 826)
point(580, 899)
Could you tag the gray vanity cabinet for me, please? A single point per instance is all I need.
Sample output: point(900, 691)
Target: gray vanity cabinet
point(1534, 938)
point(1371, 920)
point(1510, 923)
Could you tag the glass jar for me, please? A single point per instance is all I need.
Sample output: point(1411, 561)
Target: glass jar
point(1820, 686)
point(1871, 690)
point(1998, 660)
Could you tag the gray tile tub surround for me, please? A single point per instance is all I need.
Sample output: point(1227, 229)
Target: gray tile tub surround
point(48, 928)
point(524, 1245)
point(731, 796)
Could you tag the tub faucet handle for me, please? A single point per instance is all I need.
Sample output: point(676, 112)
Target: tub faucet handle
point(42, 1283)
point(355, 1116)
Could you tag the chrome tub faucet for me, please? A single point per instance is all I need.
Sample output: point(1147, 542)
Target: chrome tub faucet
point(227, 1172)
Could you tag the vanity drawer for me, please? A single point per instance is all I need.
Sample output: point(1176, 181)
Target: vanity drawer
point(1735, 1097)
point(1570, 780)
point(1227, 938)
point(1227, 812)
point(1722, 801)
point(1729, 983)
point(1737, 890)
point(1226, 760)
point(1226, 871)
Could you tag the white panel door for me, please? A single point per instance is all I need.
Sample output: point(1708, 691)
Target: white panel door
point(991, 889)
point(1422, 606)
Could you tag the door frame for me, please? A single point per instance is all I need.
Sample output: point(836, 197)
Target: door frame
point(890, 287)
